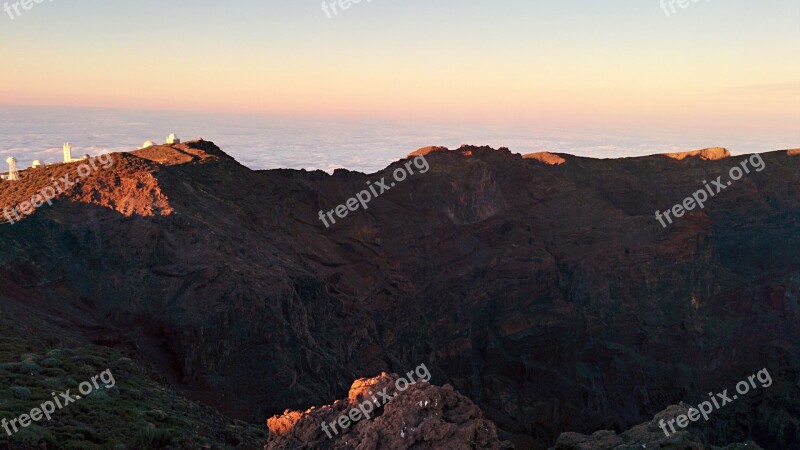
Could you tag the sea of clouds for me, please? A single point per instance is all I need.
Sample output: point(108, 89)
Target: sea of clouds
point(258, 142)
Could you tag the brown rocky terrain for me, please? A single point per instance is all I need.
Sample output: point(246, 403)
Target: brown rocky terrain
point(646, 435)
point(546, 294)
point(421, 417)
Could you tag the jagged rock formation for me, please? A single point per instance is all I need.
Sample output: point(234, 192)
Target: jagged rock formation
point(421, 417)
point(547, 294)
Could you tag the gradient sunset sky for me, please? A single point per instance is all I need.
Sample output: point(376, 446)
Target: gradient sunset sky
point(718, 63)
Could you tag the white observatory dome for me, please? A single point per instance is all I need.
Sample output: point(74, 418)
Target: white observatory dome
point(148, 144)
point(172, 139)
point(36, 164)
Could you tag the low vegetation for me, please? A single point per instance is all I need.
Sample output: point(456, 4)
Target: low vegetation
point(138, 412)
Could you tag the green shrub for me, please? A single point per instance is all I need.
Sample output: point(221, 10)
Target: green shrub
point(156, 414)
point(121, 362)
point(56, 353)
point(52, 362)
point(157, 437)
point(9, 366)
point(54, 372)
point(98, 396)
point(20, 392)
point(80, 445)
point(34, 435)
point(133, 393)
point(29, 367)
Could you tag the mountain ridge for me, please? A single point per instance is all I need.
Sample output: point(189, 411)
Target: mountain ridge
point(528, 287)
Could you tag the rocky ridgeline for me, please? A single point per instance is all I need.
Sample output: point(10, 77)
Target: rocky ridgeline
point(541, 288)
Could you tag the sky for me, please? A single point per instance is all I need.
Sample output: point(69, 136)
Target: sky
point(722, 65)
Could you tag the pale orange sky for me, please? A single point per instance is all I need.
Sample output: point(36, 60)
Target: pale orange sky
point(733, 65)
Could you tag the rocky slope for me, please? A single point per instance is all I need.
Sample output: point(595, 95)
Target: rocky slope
point(646, 435)
point(541, 288)
point(138, 410)
point(420, 417)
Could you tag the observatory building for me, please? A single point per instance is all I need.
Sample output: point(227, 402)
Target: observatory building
point(147, 144)
point(172, 139)
point(68, 154)
point(36, 164)
point(13, 173)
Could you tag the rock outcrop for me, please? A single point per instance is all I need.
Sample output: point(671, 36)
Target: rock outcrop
point(708, 154)
point(422, 416)
point(428, 150)
point(548, 158)
point(646, 435)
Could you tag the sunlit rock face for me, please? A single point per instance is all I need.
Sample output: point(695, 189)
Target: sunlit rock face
point(709, 154)
point(421, 416)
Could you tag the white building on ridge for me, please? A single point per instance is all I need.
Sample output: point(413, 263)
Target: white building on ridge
point(13, 173)
point(68, 154)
